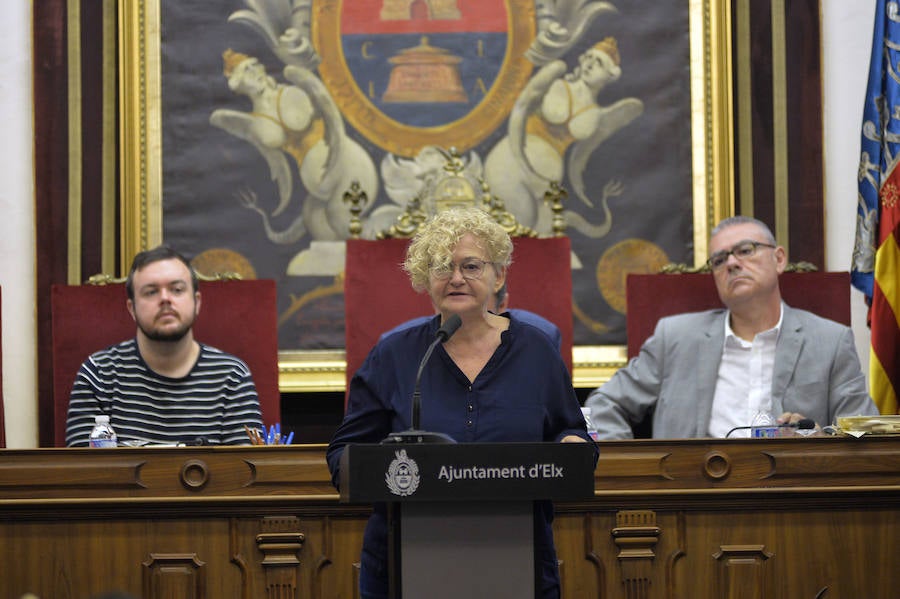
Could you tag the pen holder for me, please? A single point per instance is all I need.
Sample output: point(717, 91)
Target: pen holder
point(270, 436)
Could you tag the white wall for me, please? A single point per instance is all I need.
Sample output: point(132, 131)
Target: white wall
point(17, 254)
point(846, 37)
point(846, 47)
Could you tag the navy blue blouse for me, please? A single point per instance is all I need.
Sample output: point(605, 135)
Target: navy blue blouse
point(523, 394)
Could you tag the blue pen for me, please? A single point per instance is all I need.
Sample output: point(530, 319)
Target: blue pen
point(271, 435)
point(290, 438)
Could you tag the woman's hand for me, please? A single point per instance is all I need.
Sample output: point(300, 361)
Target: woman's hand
point(573, 439)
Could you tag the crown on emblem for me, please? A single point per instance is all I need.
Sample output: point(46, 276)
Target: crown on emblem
point(610, 47)
point(231, 60)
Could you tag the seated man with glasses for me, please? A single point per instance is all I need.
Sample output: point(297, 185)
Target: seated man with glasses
point(703, 374)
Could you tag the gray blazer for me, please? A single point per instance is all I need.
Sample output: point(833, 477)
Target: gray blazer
point(817, 374)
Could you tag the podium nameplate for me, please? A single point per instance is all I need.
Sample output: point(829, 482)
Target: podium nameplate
point(467, 472)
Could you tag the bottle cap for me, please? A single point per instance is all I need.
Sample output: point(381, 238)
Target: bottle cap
point(102, 419)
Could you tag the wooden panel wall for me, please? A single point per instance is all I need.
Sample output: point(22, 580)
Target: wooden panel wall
point(778, 121)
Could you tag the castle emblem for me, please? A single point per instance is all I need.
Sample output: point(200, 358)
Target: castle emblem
point(399, 10)
point(425, 74)
point(407, 74)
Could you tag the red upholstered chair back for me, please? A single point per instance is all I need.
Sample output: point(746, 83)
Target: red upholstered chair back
point(650, 297)
point(238, 317)
point(378, 295)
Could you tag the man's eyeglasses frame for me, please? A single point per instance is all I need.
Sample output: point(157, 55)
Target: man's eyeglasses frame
point(743, 250)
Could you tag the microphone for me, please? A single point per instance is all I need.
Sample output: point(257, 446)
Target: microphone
point(802, 424)
point(444, 333)
point(414, 434)
point(198, 442)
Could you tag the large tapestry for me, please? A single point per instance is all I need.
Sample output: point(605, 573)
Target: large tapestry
point(271, 109)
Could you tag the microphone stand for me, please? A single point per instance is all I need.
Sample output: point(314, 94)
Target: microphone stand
point(802, 424)
point(414, 434)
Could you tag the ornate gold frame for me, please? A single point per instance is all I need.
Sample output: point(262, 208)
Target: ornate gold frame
point(141, 165)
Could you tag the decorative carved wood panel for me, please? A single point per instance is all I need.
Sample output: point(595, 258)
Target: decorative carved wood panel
point(789, 518)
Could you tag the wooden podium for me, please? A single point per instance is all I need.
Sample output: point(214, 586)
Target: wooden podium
point(461, 516)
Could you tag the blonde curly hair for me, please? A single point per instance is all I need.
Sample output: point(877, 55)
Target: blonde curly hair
point(433, 245)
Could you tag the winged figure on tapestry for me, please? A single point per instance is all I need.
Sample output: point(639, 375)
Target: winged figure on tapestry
point(558, 113)
point(298, 121)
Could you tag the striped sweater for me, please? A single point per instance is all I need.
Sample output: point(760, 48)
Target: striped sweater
point(213, 402)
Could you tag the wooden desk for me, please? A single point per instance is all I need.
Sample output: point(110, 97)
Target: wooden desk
point(687, 519)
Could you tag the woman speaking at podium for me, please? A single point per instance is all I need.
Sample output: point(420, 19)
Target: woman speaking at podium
point(494, 379)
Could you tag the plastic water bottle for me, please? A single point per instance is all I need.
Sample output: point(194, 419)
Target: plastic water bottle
point(589, 423)
point(764, 426)
point(103, 434)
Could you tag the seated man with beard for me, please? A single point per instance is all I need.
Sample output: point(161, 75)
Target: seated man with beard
point(162, 386)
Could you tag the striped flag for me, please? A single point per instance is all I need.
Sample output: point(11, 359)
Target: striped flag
point(876, 252)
